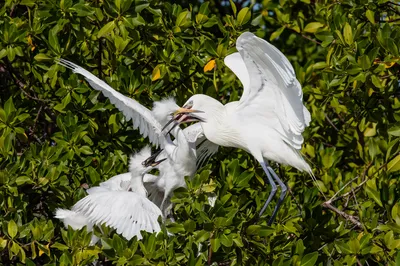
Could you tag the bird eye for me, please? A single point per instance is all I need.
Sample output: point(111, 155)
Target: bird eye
point(189, 105)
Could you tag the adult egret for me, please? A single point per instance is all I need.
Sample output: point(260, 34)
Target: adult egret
point(270, 117)
point(181, 153)
point(128, 212)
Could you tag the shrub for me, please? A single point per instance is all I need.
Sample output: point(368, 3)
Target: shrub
point(57, 135)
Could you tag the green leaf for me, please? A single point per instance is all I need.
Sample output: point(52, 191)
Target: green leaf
point(309, 259)
point(59, 246)
point(9, 107)
point(215, 244)
point(42, 57)
point(370, 16)
point(374, 194)
point(313, 27)
point(23, 180)
point(299, 247)
point(85, 150)
point(394, 131)
point(202, 236)
point(181, 19)
point(134, 22)
point(3, 53)
point(354, 245)
point(276, 33)
point(189, 225)
point(394, 164)
point(106, 29)
point(233, 6)
point(348, 34)
point(226, 240)
point(376, 81)
point(398, 258)
point(12, 229)
point(243, 17)
point(53, 40)
point(342, 247)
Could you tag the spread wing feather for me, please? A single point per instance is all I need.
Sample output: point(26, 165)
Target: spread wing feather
point(124, 211)
point(141, 116)
point(270, 87)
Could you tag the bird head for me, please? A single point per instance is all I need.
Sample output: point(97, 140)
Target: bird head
point(143, 161)
point(196, 109)
point(151, 161)
point(164, 110)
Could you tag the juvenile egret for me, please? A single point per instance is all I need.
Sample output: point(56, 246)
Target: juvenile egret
point(270, 117)
point(122, 182)
point(128, 212)
point(181, 153)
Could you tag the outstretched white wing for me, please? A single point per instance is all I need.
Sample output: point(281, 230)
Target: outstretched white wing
point(124, 211)
point(74, 219)
point(77, 221)
point(141, 116)
point(270, 87)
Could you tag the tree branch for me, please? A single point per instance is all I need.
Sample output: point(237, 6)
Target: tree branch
point(348, 217)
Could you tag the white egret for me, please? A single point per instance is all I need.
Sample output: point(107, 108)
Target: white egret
point(122, 182)
point(181, 153)
point(270, 117)
point(128, 212)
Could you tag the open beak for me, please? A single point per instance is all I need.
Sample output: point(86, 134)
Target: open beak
point(154, 164)
point(151, 161)
point(183, 115)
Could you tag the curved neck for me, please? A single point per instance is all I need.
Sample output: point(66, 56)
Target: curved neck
point(137, 184)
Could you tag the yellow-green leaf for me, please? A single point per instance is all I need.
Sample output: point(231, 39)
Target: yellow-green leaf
point(373, 194)
point(394, 165)
point(244, 16)
point(233, 5)
point(370, 16)
point(348, 34)
point(370, 131)
point(313, 27)
point(42, 57)
point(181, 19)
point(12, 229)
point(276, 33)
point(309, 259)
point(106, 29)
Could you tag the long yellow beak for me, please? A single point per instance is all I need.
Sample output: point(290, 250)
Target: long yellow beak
point(182, 110)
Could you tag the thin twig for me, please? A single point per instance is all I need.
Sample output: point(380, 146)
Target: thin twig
point(99, 59)
point(18, 82)
point(390, 20)
point(348, 217)
point(37, 117)
point(396, 4)
point(363, 175)
point(310, 39)
point(304, 36)
point(351, 218)
point(330, 122)
point(210, 250)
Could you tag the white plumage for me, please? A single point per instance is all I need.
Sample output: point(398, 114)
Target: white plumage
point(181, 153)
point(142, 117)
point(270, 117)
point(128, 212)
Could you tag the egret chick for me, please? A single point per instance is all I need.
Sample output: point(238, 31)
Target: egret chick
point(128, 212)
point(180, 152)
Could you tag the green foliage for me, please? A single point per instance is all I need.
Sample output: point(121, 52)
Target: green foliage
point(57, 134)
